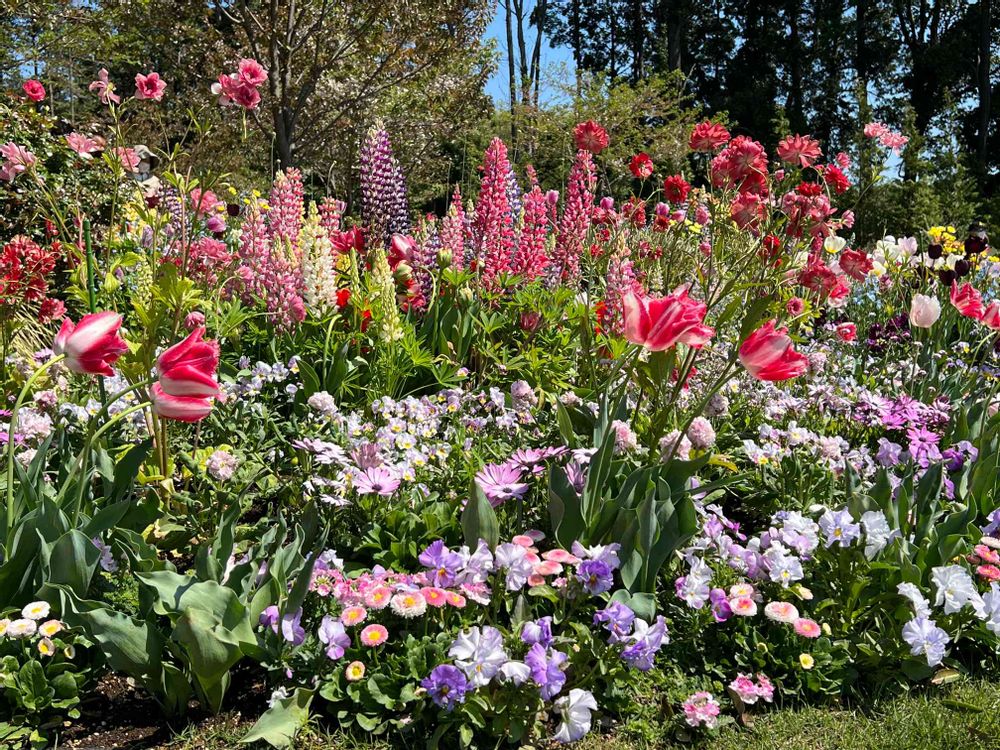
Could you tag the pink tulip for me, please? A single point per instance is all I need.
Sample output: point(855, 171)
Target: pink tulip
point(188, 368)
point(991, 315)
point(92, 345)
point(181, 408)
point(769, 354)
point(661, 323)
point(967, 300)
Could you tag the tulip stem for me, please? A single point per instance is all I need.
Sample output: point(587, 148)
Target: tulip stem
point(9, 520)
point(82, 458)
point(92, 291)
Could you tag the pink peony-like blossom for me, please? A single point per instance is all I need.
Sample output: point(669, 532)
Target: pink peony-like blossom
point(34, 90)
point(149, 86)
point(799, 150)
point(591, 136)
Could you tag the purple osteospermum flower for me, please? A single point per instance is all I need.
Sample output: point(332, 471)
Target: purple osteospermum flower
point(378, 480)
point(596, 576)
point(501, 482)
point(546, 670)
point(446, 685)
point(923, 446)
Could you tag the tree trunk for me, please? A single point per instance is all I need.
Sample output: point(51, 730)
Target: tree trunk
point(983, 80)
point(511, 74)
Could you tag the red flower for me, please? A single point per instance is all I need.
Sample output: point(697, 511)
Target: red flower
point(51, 309)
point(847, 332)
point(659, 324)
point(92, 345)
point(855, 263)
point(836, 179)
point(590, 136)
point(34, 90)
point(967, 300)
point(343, 297)
point(641, 166)
point(795, 306)
point(799, 149)
point(676, 189)
point(769, 354)
point(707, 136)
point(352, 239)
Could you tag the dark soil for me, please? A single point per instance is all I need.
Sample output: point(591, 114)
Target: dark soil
point(118, 715)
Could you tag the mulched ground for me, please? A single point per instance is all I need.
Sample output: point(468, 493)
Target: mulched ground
point(117, 715)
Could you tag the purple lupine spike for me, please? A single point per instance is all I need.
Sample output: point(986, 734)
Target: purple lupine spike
point(385, 207)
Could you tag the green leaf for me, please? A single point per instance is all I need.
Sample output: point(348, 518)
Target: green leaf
point(479, 520)
point(279, 724)
point(72, 561)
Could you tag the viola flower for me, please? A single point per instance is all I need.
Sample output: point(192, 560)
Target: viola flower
point(501, 482)
point(955, 587)
point(546, 669)
point(149, 86)
point(661, 323)
point(798, 150)
point(617, 619)
point(707, 136)
point(967, 300)
point(575, 710)
point(374, 635)
point(92, 345)
point(590, 136)
point(104, 88)
point(446, 685)
point(926, 639)
point(479, 653)
point(807, 628)
point(34, 90)
point(377, 480)
point(644, 642)
point(331, 632)
point(769, 354)
point(596, 576)
point(839, 527)
point(539, 631)
point(641, 166)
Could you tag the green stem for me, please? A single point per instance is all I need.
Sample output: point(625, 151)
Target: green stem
point(10, 439)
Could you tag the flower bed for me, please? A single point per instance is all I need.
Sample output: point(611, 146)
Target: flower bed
point(477, 477)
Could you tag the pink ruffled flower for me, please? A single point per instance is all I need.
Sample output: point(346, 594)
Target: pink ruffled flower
point(149, 86)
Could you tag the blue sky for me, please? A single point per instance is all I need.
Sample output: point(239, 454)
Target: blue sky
point(497, 86)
